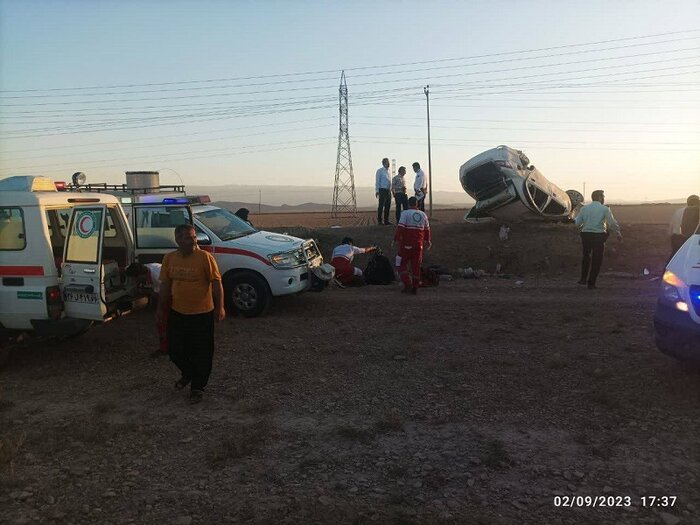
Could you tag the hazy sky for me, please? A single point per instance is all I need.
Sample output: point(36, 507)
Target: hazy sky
point(246, 92)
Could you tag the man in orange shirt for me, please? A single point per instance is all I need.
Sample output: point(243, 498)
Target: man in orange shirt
point(191, 289)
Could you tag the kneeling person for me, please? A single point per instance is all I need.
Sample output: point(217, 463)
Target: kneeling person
point(342, 258)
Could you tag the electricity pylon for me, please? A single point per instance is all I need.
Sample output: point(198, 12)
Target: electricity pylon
point(344, 199)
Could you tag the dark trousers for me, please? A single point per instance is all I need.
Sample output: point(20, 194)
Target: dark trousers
point(421, 203)
point(677, 241)
point(593, 248)
point(401, 203)
point(191, 345)
point(384, 205)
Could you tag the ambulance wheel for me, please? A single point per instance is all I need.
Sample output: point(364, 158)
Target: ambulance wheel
point(246, 293)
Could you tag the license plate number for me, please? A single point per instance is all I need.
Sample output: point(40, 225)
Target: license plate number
point(80, 297)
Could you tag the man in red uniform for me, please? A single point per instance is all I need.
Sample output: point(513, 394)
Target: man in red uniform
point(412, 232)
point(342, 258)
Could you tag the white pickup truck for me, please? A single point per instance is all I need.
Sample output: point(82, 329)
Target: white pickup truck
point(677, 317)
point(255, 265)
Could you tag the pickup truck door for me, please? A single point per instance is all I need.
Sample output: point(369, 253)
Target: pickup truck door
point(153, 225)
point(81, 270)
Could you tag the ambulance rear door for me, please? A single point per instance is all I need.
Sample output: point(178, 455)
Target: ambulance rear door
point(154, 224)
point(81, 270)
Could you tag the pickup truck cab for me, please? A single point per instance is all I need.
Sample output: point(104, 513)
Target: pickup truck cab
point(65, 257)
point(677, 317)
point(255, 265)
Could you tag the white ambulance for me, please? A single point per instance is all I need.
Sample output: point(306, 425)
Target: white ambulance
point(65, 257)
point(255, 265)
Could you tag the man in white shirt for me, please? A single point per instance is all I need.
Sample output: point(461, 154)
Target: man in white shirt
point(595, 220)
point(382, 190)
point(677, 228)
point(420, 186)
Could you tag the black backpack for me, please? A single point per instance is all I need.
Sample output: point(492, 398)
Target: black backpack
point(379, 270)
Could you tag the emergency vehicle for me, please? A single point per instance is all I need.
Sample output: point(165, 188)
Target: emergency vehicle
point(677, 317)
point(65, 256)
point(255, 265)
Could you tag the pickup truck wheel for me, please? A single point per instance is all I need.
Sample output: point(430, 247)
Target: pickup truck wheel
point(246, 293)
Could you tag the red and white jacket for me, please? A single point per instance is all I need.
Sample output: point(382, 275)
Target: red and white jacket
point(341, 259)
point(413, 228)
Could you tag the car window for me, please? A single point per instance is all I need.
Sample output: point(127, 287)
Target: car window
point(12, 233)
point(224, 224)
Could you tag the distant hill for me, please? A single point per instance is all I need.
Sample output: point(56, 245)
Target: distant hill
point(307, 207)
point(293, 196)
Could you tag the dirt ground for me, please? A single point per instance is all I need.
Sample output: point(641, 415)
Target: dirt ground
point(478, 401)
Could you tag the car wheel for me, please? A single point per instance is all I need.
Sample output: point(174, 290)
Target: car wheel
point(246, 293)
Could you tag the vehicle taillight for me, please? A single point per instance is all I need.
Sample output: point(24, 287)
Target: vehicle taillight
point(60, 185)
point(54, 302)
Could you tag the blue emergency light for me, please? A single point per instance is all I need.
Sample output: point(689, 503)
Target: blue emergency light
point(177, 200)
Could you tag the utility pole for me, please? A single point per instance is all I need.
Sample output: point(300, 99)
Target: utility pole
point(259, 200)
point(426, 90)
point(344, 199)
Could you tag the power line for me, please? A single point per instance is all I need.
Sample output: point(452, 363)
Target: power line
point(382, 94)
point(376, 82)
point(374, 67)
point(412, 72)
point(491, 144)
point(211, 152)
point(175, 135)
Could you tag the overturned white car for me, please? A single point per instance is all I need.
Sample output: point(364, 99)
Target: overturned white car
point(506, 187)
point(677, 317)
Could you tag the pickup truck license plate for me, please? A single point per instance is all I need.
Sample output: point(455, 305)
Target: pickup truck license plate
point(80, 297)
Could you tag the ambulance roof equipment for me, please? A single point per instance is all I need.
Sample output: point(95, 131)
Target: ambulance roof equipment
point(27, 183)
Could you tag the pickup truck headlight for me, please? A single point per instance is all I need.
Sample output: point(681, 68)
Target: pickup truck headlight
point(670, 285)
point(670, 293)
point(287, 259)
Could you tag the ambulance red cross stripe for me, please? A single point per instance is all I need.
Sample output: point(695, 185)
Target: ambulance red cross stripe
point(21, 271)
point(235, 251)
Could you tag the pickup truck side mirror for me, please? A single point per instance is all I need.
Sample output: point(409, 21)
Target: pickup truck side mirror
point(203, 239)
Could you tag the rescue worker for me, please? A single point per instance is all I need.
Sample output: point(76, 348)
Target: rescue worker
point(342, 258)
point(412, 233)
point(191, 289)
point(594, 221)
